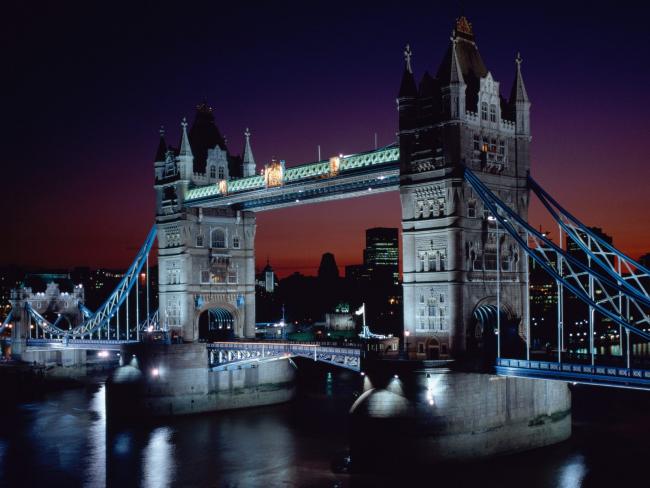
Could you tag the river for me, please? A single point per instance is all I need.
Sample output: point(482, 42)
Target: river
point(62, 439)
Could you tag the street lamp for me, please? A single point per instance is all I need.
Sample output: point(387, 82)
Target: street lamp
point(407, 333)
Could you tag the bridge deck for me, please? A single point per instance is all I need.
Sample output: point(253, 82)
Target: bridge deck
point(575, 373)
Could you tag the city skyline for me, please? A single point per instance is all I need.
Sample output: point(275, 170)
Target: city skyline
point(574, 115)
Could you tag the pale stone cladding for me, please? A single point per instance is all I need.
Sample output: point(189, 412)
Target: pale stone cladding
point(449, 240)
point(206, 260)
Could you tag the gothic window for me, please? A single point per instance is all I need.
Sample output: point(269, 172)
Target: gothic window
point(471, 209)
point(432, 261)
point(477, 143)
point(484, 110)
point(232, 275)
point(213, 172)
point(493, 113)
point(235, 242)
point(221, 173)
point(442, 261)
point(199, 240)
point(218, 239)
point(502, 147)
point(493, 146)
point(421, 262)
point(205, 276)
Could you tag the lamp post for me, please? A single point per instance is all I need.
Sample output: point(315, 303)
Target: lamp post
point(407, 333)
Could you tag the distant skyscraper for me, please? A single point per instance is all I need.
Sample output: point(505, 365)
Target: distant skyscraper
point(381, 255)
point(328, 271)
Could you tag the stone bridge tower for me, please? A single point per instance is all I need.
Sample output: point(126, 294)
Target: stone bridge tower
point(449, 121)
point(206, 256)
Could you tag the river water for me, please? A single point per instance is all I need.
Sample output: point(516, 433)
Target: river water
point(62, 439)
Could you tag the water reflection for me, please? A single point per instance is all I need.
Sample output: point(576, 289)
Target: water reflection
point(96, 461)
point(573, 473)
point(63, 440)
point(158, 459)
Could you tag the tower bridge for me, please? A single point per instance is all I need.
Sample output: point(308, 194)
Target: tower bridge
point(462, 166)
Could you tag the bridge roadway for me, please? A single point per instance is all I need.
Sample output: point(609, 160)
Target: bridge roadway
point(599, 375)
point(355, 175)
point(233, 354)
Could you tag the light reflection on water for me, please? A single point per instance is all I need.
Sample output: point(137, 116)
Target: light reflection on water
point(63, 440)
point(158, 459)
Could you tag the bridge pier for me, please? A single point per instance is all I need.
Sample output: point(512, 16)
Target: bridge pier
point(438, 415)
point(175, 379)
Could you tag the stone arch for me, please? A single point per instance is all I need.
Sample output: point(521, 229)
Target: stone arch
point(222, 312)
point(432, 348)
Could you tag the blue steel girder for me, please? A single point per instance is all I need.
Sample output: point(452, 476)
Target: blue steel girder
point(100, 319)
point(576, 373)
point(625, 270)
point(522, 233)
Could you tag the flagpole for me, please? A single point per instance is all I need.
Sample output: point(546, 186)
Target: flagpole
point(363, 306)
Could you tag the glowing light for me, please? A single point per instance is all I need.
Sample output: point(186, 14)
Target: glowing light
point(155, 372)
point(362, 373)
point(395, 376)
point(102, 354)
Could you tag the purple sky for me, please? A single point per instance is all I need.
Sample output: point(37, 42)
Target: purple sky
point(90, 85)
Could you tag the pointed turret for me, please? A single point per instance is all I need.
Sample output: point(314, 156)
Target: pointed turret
point(452, 81)
point(161, 152)
point(185, 157)
point(186, 149)
point(519, 102)
point(407, 100)
point(248, 159)
point(518, 92)
point(407, 88)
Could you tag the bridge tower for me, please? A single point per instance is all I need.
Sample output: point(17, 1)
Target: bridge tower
point(206, 256)
point(454, 119)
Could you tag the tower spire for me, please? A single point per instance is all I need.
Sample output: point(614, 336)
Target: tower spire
point(519, 102)
point(518, 92)
point(248, 159)
point(455, 73)
point(186, 149)
point(407, 88)
point(161, 152)
point(408, 54)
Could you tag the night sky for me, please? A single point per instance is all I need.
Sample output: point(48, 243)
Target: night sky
point(87, 87)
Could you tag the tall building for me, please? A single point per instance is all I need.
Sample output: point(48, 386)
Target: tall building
point(454, 120)
point(328, 271)
point(381, 255)
point(206, 256)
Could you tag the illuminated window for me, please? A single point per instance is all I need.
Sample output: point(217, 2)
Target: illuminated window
point(493, 113)
point(484, 110)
